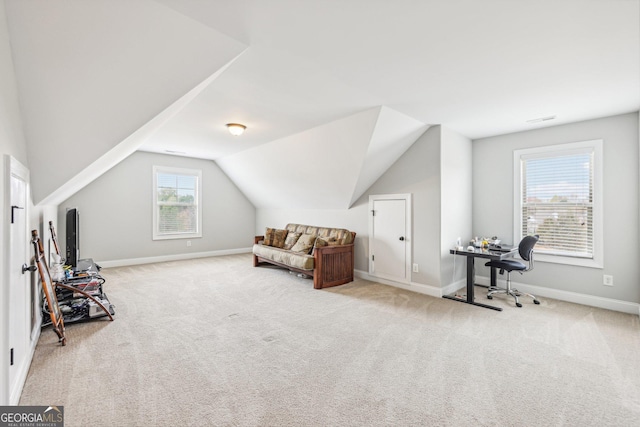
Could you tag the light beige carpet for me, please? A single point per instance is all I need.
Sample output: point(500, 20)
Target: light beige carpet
point(217, 342)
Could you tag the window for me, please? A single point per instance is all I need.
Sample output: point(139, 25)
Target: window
point(176, 203)
point(558, 196)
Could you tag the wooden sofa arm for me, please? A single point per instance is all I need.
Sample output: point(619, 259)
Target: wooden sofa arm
point(256, 240)
point(333, 265)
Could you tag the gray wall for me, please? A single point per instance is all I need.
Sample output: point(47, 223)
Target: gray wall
point(116, 212)
point(456, 202)
point(493, 203)
point(418, 171)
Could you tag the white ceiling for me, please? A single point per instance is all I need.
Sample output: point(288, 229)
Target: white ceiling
point(311, 71)
point(481, 68)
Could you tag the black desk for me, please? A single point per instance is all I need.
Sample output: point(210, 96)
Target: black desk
point(471, 273)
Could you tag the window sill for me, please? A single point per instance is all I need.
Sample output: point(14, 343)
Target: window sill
point(177, 236)
point(580, 262)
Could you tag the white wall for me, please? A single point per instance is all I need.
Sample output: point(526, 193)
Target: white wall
point(417, 171)
point(12, 143)
point(456, 201)
point(116, 212)
point(493, 203)
point(11, 136)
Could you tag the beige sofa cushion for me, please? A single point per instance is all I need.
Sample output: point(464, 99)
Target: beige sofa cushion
point(341, 235)
point(292, 259)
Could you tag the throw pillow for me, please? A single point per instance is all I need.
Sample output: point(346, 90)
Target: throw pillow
point(291, 239)
point(275, 237)
point(331, 241)
point(324, 241)
point(304, 243)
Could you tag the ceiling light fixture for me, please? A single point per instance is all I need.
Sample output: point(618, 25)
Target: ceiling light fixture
point(236, 129)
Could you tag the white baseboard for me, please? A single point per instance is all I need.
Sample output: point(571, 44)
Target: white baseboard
point(175, 257)
point(574, 297)
point(420, 288)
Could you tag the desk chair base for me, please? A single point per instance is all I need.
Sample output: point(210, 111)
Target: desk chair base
point(513, 292)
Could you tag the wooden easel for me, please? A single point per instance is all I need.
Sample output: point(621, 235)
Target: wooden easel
point(48, 287)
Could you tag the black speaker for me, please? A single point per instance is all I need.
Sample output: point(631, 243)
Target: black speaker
point(73, 237)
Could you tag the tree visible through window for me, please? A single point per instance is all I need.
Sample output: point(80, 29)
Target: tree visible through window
point(176, 203)
point(557, 194)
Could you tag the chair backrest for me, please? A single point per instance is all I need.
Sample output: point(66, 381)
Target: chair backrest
point(525, 248)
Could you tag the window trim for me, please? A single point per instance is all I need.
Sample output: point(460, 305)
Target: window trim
point(177, 171)
point(598, 234)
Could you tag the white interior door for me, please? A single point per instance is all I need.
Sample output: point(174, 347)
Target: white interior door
point(390, 237)
point(19, 289)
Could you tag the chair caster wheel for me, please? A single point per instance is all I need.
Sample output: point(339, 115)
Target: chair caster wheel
point(535, 301)
point(489, 297)
point(518, 304)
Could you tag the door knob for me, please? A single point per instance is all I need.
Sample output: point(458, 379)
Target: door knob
point(28, 268)
point(402, 238)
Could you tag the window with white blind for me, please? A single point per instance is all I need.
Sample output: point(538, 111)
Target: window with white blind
point(558, 196)
point(177, 207)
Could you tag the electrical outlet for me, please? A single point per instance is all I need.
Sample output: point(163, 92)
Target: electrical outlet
point(415, 268)
point(188, 243)
point(607, 280)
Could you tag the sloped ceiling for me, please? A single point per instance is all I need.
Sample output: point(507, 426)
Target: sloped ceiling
point(91, 74)
point(343, 85)
point(329, 166)
point(393, 134)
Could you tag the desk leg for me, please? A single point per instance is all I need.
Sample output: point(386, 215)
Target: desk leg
point(471, 278)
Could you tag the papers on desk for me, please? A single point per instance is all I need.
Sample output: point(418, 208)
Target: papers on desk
point(501, 248)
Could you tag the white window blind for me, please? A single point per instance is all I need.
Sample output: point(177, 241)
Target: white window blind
point(558, 191)
point(176, 203)
point(557, 203)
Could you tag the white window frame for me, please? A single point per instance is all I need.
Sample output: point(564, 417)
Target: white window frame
point(157, 235)
point(596, 146)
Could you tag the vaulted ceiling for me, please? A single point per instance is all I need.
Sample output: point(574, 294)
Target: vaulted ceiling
point(323, 86)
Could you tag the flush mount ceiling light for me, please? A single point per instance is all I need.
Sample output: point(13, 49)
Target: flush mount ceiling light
point(236, 129)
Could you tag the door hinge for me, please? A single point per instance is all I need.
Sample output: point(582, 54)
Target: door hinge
point(373, 257)
point(11, 363)
point(373, 213)
point(13, 208)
